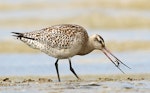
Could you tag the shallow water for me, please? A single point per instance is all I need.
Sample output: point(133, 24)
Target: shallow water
point(94, 63)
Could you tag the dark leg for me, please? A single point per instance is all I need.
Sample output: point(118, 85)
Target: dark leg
point(56, 65)
point(72, 70)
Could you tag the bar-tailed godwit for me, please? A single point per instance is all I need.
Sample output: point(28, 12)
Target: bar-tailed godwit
point(65, 41)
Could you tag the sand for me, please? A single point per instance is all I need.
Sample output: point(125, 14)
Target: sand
point(115, 83)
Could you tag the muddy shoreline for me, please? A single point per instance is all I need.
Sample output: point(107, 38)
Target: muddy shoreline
point(100, 78)
point(133, 83)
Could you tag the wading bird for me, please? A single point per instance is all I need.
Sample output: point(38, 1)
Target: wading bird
point(65, 41)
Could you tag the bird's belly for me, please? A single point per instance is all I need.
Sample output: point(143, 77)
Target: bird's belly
point(62, 53)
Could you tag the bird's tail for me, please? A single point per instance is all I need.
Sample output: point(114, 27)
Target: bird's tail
point(26, 38)
point(21, 35)
point(18, 35)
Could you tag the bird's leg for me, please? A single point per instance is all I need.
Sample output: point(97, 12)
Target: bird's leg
point(56, 65)
point(72, 70)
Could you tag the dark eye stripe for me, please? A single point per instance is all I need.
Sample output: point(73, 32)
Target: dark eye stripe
point(101, 38)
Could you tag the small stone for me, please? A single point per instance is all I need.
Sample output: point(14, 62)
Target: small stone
point(43, 80)
point(28, 80)
point(6, 80)
point(130, 79)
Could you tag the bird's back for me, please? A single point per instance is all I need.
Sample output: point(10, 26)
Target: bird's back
point(60, 41)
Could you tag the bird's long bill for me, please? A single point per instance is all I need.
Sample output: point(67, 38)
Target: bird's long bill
point(114, 60)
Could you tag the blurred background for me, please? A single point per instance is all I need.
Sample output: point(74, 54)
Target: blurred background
point(124, 25)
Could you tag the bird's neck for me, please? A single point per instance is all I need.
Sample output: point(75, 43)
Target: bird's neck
point(87, 48)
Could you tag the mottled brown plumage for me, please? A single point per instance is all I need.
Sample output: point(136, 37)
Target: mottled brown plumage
point(58, 40)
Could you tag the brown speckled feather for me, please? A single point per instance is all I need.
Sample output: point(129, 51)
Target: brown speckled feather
point(59, 36)
point(63, 36)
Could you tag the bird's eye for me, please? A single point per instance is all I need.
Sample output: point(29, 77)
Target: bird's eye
point(100, 41)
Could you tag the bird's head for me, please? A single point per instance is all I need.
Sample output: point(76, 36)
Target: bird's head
point(99, 44)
